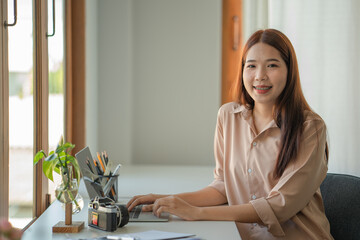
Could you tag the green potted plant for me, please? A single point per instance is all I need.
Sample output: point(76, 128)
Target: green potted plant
point(67, 167)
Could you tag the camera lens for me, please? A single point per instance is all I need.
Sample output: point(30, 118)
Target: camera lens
point(123, 218)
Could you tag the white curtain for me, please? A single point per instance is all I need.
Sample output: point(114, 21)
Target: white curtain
point(326, 37)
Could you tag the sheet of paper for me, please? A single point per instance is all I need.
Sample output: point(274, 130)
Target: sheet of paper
point(155, 235)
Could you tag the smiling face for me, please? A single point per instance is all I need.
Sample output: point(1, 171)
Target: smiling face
point(264, 74)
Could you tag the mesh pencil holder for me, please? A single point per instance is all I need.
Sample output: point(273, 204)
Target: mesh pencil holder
point(111, 187)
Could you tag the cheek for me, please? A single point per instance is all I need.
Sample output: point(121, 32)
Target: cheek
point(247, 79)
point(282, 81)
point(279, 78)
point(247, 74)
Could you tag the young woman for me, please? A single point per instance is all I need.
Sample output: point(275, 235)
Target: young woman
point(270, 150)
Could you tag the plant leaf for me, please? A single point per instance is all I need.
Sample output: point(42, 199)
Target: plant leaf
point(50, 157)
point(38, 156)
point(61, 142)
point(69, 145)
point(71, 159)
point(57, 146)
point(60, 149)
point(62, 157)
point(57, 169)
point(48, 168)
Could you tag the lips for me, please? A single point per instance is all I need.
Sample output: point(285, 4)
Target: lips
point(262, 89)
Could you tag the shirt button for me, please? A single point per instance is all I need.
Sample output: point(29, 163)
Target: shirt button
point(254, 224)
point(249, 170)
point(254, 144)
point(253, 197)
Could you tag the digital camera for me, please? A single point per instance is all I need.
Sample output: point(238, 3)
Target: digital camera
point(104, 214)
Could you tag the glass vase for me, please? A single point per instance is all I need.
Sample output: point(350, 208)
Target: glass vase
point(67, 190)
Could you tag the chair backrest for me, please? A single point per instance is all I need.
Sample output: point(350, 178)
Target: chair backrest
point(341, 196)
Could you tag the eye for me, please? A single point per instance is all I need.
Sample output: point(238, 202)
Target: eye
point(250, 66)
point(272, 65)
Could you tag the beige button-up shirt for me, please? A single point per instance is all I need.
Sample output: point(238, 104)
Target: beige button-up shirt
point(291, 206)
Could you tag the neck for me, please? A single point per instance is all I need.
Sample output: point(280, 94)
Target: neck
point(262, 111)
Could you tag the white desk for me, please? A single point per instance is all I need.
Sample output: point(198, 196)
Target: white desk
point(142, 179)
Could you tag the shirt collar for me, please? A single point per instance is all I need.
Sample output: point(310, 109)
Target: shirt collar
point(239, 108)
point(247, 115)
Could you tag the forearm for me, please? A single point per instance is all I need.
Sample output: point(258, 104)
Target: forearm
point(205, 197)
point(240, 213)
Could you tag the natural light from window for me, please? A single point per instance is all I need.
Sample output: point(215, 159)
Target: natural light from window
point(21, 126)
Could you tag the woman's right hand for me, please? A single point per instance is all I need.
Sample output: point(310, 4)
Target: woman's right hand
point(148, 200)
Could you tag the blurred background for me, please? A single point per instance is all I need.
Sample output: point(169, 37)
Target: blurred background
point(156, 67)
point(153, 79)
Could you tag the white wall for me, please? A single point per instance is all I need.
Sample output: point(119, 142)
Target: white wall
point(158, 77)
point(91, 74)
point(115, 79)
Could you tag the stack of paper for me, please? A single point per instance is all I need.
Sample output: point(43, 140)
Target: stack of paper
point(148, 235)
point(151, 235)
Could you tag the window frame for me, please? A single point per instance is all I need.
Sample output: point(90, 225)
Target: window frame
point(75, 124)
point(74, 102)
point(41, 102)
point(4, 115)
point(232, 39)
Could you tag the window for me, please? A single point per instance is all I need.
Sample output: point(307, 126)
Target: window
point(56, 82)
point(37, 76)
point(21, 109)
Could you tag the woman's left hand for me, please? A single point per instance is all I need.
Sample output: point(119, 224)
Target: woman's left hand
point(176, 206)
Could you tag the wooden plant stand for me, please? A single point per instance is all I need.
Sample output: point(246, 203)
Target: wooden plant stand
point(68, 226)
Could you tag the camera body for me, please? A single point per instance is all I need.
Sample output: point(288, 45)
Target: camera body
point(104, 214)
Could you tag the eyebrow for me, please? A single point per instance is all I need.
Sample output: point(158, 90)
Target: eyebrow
point(268, 60)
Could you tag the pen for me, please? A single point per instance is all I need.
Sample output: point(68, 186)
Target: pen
point(106, 157)
point(88, 164)
point(102, 165)
point(97, 168)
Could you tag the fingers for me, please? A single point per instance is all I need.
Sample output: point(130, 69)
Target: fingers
point(138, 200)
point(175, 206)
point(163, 209)
point(167, 204)
point(134, 202)
point(159, 206)
point(142, 199)
point(147, 208)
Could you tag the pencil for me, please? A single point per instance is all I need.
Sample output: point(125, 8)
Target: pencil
point(102, 165)
point(100, 161)
point(106, 157)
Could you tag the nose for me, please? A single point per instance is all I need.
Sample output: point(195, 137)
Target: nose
point(260, 74)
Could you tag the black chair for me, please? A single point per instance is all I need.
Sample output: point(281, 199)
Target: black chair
point(341, 196)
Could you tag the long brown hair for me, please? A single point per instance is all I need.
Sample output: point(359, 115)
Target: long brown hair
point(288, 112)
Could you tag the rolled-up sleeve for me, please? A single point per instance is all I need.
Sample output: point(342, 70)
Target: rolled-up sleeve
point(218, 182)
point(299, 182)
